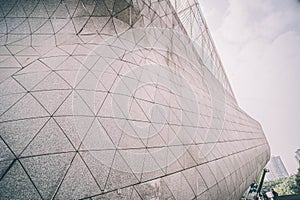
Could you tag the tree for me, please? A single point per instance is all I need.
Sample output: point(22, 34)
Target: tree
point(286, 187)
point(297, 184)
point(283, 186)
point(267, 186)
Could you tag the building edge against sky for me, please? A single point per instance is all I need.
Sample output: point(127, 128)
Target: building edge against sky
point(69, 71)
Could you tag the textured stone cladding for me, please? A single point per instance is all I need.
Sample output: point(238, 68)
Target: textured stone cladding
point(116, 99)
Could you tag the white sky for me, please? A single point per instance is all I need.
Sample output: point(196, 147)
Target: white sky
point(259, 44)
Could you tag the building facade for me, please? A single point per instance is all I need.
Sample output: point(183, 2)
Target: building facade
point(298, 155)
point(277, 169)
point(119, 99)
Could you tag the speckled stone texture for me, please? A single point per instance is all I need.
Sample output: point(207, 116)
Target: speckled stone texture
point(119, 99)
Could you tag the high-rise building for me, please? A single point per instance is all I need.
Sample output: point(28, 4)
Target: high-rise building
point(298, 155)
point(277, 169)
point(119, 99)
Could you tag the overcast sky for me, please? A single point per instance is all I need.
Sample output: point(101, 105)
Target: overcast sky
point(259, 44)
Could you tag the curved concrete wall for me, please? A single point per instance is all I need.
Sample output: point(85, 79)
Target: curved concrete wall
point(112, 99)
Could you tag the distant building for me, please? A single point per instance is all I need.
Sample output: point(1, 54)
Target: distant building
point(298, 155)
point(277, 169)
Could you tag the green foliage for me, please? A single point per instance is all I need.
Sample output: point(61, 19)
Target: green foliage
point(297, 182)
point(267, 186)
point(283, 186)
point(286, 187)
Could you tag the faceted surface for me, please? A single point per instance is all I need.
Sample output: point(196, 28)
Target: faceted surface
point(119, 99)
